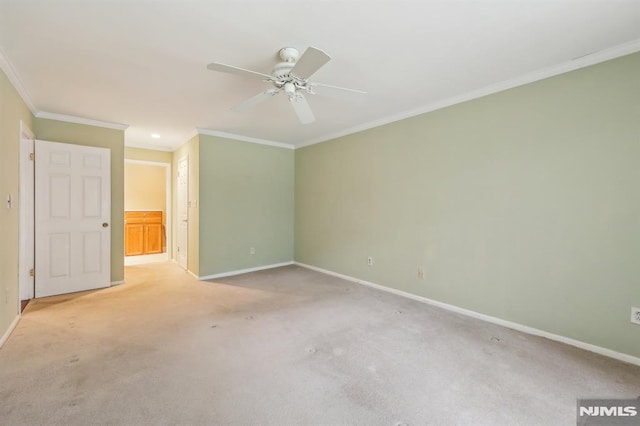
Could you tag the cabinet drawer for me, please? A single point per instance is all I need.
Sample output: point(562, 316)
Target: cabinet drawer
point(143, 217)
point(154, 217)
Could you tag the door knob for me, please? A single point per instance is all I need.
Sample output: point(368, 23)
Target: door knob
point(105, 224)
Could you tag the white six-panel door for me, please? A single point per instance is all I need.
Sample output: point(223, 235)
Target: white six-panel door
point(72, 218)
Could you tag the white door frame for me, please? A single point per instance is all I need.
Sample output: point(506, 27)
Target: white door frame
point(168, 219)
point(26, 223)
point(179, 220)
point(26, 227)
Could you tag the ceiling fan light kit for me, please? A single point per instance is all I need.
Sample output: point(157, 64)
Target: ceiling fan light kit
point(291, 77)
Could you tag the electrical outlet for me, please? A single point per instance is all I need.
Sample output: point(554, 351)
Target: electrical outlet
point(421, 273)
point(635, 315)
point(369, 260)
point(252, 250)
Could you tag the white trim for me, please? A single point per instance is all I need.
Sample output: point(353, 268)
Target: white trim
point(146, 258)
point(572, 65)
point(182, 216)
point(244, 271)
point(12, 75)
point(12, 326)
point(186, 270)
point(81, 120)
point(25, 131)
point(146, 162)
point(149, 148)
point(515, 326)
point(244, 138)
point(113, 283)
point(26, 260)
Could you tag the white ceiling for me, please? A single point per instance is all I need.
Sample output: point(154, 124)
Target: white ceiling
point(143, 62)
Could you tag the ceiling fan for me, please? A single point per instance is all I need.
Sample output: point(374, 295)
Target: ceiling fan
point(291, 77)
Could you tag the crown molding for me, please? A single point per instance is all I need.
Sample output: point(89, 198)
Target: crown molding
point(16, 82)
point(81, 120)
point(209, 132)
point(564, 67)
point(630, 47)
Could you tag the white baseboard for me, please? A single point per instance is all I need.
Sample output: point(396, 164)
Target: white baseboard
point(186, 270)
point(117, 282)
point(146, 258)
point(515, 326)
point(244, 271)
point(6, 335)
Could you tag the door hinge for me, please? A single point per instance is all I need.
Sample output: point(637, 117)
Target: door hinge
point(32, 272)
point(32, 156)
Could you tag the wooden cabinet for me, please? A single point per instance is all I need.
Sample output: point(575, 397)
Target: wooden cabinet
point(143, 233)
point(133, 239)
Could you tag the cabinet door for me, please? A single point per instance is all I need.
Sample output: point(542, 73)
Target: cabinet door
point(154, 238)
point(134, 239)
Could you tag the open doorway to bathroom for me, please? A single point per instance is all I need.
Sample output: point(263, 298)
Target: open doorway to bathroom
point(147, 201)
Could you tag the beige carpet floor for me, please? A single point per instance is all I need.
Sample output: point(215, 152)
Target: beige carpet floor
point(287, 346)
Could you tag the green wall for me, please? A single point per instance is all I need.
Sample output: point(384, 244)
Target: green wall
point(191, 150)
point(522, 205)
point(246, 200)
point(12, 111)
point(81, 134)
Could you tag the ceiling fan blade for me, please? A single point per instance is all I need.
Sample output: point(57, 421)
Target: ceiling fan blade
point(217, 66)
point(341, 92)
point(311, 61)
point(256, 100)
point(302, 109)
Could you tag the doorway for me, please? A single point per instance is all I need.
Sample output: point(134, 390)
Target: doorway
point(147, 205)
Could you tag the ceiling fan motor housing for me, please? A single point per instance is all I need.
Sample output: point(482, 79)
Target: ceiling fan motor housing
point(282, 69)
point(282, 77)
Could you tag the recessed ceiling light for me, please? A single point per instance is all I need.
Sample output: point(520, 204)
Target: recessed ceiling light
point(155, 135)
